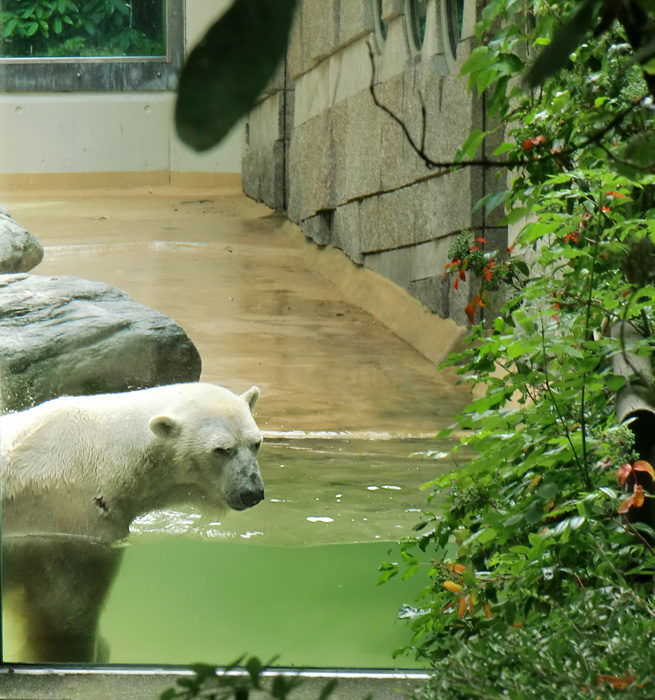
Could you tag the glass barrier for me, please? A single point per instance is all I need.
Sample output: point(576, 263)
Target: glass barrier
point(142, 523)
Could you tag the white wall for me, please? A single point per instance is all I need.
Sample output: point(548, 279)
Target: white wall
point(105, 132)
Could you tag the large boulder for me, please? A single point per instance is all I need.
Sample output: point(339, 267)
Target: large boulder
point(69, 336)
point(20, 251)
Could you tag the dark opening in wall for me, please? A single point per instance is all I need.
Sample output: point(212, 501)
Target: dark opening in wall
point(455, 20)
point(417, 16)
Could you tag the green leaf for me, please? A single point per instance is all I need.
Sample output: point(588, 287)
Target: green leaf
point(554, 57)
point(9, 29)
point(515, 215)
point(487, 535)
point(471, 145)
point(254, 668)
point(230, 67)
point(478, 59)
point(504, 147)
point(203, 671)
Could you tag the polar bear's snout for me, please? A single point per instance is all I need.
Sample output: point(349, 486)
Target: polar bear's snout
point(250, 497)
point(247, 487)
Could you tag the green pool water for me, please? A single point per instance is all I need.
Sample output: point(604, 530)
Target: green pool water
point(293, 578)
point(180, 601)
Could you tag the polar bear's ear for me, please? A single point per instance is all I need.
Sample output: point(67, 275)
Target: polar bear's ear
point(251, 396)
point(164, 426)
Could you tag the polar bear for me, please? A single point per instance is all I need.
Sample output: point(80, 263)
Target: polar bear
point(76, 471)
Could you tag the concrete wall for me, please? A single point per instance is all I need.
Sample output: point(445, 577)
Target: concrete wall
point(108, 132)
point(318, 147)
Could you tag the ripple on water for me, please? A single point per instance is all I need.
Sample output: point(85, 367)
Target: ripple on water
point(360, 490)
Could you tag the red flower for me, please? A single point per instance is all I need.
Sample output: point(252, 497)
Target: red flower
point(528, 144)
point(612, 193)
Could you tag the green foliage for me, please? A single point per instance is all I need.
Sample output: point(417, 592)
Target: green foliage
point(83, 28)
point(239, 682)
point(228, 70)
point(574, 656)
point(532, 561)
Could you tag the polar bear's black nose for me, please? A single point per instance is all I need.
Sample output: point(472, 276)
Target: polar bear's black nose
point(252, 497)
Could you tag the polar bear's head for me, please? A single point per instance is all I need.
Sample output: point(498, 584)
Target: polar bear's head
point(212, 438)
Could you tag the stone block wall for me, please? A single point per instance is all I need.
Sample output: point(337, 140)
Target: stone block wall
point(321, 150)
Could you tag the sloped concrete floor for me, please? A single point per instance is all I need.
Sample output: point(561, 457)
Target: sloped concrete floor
point(225, 269)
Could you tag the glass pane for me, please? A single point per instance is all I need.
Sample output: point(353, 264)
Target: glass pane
point(418, 18)
point(292, 576)
point(383, 23)
point(86, 28)
point(455, 11)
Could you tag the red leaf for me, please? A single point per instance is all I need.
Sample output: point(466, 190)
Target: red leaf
point(527, 144)
point(470, 312)
point(480, 240)
point(626, 505)
point(624, 472)
point(612, 193)
point(643, 466)
point(462, 607)
point(638, 496)
point(462, 274)
point(618, 682)
point(452, 586)
point(456, 284)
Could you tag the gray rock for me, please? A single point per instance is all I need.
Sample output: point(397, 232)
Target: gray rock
point(20, 251)
point(69, 336)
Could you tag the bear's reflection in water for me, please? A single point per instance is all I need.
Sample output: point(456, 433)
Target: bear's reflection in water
point(54, 587)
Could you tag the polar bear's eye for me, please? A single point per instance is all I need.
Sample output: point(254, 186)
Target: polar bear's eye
point(222, 451)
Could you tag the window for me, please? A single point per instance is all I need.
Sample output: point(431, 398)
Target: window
point(417, 11)
point(61, 45)
point(455, 20)
point(382, 24)
point(381, 30)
